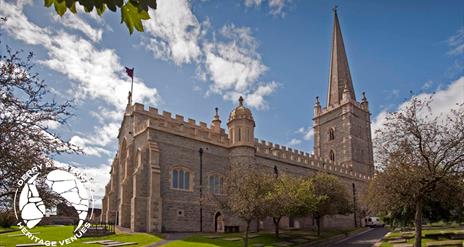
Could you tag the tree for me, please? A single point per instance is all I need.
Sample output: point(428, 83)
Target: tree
point(421, 156)
point(245, 188)
point(283, 199)
point(26, 111)
point(334, 198)
point(132, 11)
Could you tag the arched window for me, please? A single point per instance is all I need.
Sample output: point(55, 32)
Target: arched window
point(216, 184)
point(332, 155)
point(331, 134)
point(239, 134)
point(180, 179)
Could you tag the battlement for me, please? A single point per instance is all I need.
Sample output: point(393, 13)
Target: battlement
point(177, 125)
point(289, 155)
point(336, 105)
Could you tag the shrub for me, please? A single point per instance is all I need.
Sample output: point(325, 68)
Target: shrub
point(7, 218)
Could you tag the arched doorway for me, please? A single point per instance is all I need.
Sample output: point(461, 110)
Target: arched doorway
point(218, 222)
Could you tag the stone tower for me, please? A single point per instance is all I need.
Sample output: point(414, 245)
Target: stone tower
point(342, 130)
point(241, 127)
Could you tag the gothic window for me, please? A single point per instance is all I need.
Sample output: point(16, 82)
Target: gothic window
point(331, 134)
point(216, 184)
point(332, 155)
point(180, 179)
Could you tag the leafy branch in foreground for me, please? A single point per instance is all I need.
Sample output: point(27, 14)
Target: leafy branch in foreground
point(132, 11)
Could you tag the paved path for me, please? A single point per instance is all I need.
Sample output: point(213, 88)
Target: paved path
point(169, 238)
point(367, 239)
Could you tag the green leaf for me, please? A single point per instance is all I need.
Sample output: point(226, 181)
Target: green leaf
point(48, 3)
point(111, 5)
point(60, 7)
point(71, 5)
point(100, 10)
point(88, 5)
point(152, 4)
point(132, 17)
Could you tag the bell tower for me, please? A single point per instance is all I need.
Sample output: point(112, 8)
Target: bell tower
point(342, 129)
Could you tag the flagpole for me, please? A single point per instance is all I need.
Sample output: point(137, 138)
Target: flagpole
point(132, 88)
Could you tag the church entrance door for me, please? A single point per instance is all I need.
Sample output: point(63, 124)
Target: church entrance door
point(219, 222)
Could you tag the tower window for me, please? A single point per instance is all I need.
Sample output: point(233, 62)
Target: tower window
point(332, 155)
point(239, 134)
point(331, 134)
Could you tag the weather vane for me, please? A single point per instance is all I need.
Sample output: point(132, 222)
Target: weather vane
point(335, 7)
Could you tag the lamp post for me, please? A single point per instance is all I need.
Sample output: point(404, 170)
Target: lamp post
point(354, 206)
point(200, 151)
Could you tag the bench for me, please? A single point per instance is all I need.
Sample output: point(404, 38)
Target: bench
point(229, 229)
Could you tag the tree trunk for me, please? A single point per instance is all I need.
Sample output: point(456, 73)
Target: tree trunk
point(245, 239)
point(276, 225)
point(257, 224)
point(418, 222)
point(318, 225)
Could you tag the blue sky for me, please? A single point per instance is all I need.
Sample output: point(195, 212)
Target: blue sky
point(197, 55)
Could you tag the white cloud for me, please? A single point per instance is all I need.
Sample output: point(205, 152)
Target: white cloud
point(443, 101)
point(97, 73)
point(276, 7)
point(231, 62)
point(100, 176)
point(308, 133)
point(256, 98)
point(456, 42)
point(174, 31)
point(233, 66)
point(72, 21)
point(87, 147)
point(294, 142)
point(19, 26)
point(94, 144)
point(304, 133)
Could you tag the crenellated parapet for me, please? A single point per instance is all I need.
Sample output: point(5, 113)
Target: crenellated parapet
point(336, 105)
point(177, 124)
point(288, 155)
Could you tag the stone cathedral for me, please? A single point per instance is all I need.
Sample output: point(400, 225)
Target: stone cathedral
point(155, 175)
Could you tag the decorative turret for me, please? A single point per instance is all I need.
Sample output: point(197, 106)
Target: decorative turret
point(216, 123)
point(364, 102)
point(241, 126)
point(317, 107)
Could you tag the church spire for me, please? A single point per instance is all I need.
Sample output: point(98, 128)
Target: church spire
point(340, 77)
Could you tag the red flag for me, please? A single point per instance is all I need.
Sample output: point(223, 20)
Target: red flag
point(130, 72)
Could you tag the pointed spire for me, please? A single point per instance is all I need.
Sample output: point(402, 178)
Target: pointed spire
point(340, 77)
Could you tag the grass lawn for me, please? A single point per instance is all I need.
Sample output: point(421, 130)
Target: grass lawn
point(63, 232)
point(424, 240)
point(265, 238)
point(8, 229)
